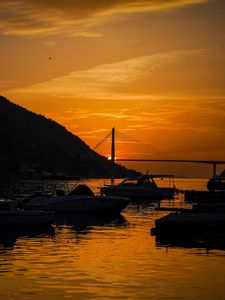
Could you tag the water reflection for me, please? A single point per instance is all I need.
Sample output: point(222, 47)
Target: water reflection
point(202, 240)
point(77, 224)
point(9, 236)
point(84, 223)
point(97, 257)
point(140, 205)
point(24, 188)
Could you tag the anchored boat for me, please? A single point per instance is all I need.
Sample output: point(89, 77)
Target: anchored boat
point(10, 215)
point(142, 187)
point(80, 200)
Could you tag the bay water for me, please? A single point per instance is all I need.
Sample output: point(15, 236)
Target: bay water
point(93, 257)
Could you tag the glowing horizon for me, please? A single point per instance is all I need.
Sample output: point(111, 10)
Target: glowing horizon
point(153, 69)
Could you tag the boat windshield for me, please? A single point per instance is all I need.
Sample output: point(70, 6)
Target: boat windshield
point(138, 181)
point(129, 182)
point(145, 180)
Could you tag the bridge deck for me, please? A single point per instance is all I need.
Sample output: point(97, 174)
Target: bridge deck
point(216, 162)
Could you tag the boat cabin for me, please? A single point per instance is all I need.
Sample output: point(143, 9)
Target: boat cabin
point(145, 180)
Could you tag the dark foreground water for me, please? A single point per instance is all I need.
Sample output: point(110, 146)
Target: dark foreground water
point(106, 258)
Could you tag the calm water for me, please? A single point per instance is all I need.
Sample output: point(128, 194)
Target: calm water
point(105, 258)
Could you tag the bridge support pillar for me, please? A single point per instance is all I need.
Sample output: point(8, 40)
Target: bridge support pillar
point(214, 169)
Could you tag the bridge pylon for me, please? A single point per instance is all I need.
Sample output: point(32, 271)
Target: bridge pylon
point(113, 145)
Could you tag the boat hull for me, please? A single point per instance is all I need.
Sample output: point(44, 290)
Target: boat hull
point(167, 192)
point(23, 218)
point(132, 193)
point(138, 188)
point(80, 204)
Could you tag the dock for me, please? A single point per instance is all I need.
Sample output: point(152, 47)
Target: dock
point(204, 196)
point(187, 222)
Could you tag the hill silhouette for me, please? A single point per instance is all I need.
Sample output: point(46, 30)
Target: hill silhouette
point(33, 146)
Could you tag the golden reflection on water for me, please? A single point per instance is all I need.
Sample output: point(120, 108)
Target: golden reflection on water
point(106, 258)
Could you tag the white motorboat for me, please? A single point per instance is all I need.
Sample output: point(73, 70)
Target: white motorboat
point(142, 187)
point(80, 200)
point(10, 215)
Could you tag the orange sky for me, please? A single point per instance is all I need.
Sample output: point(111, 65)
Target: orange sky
point(152, 69)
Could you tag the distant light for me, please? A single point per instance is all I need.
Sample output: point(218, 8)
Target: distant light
point(110, 158)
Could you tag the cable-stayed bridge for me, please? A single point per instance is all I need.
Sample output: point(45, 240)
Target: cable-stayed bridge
point(118, 146)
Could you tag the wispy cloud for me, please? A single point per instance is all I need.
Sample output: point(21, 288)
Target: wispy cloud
point(196, 116)
point(112, 81)
point(72, 17)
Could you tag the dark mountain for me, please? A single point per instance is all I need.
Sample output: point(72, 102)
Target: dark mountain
point(33, 146)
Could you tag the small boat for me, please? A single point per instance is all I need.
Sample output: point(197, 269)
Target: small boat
point(10, 215)
point(204, 196)
point(202, 217)
point(179, 221)
point(208, 238)
point(142, 187)
point(80, 200)
point(216, 183)
point(204, 222)
point(215, 192)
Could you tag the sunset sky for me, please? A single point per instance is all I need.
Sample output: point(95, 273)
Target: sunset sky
point(153, 69)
